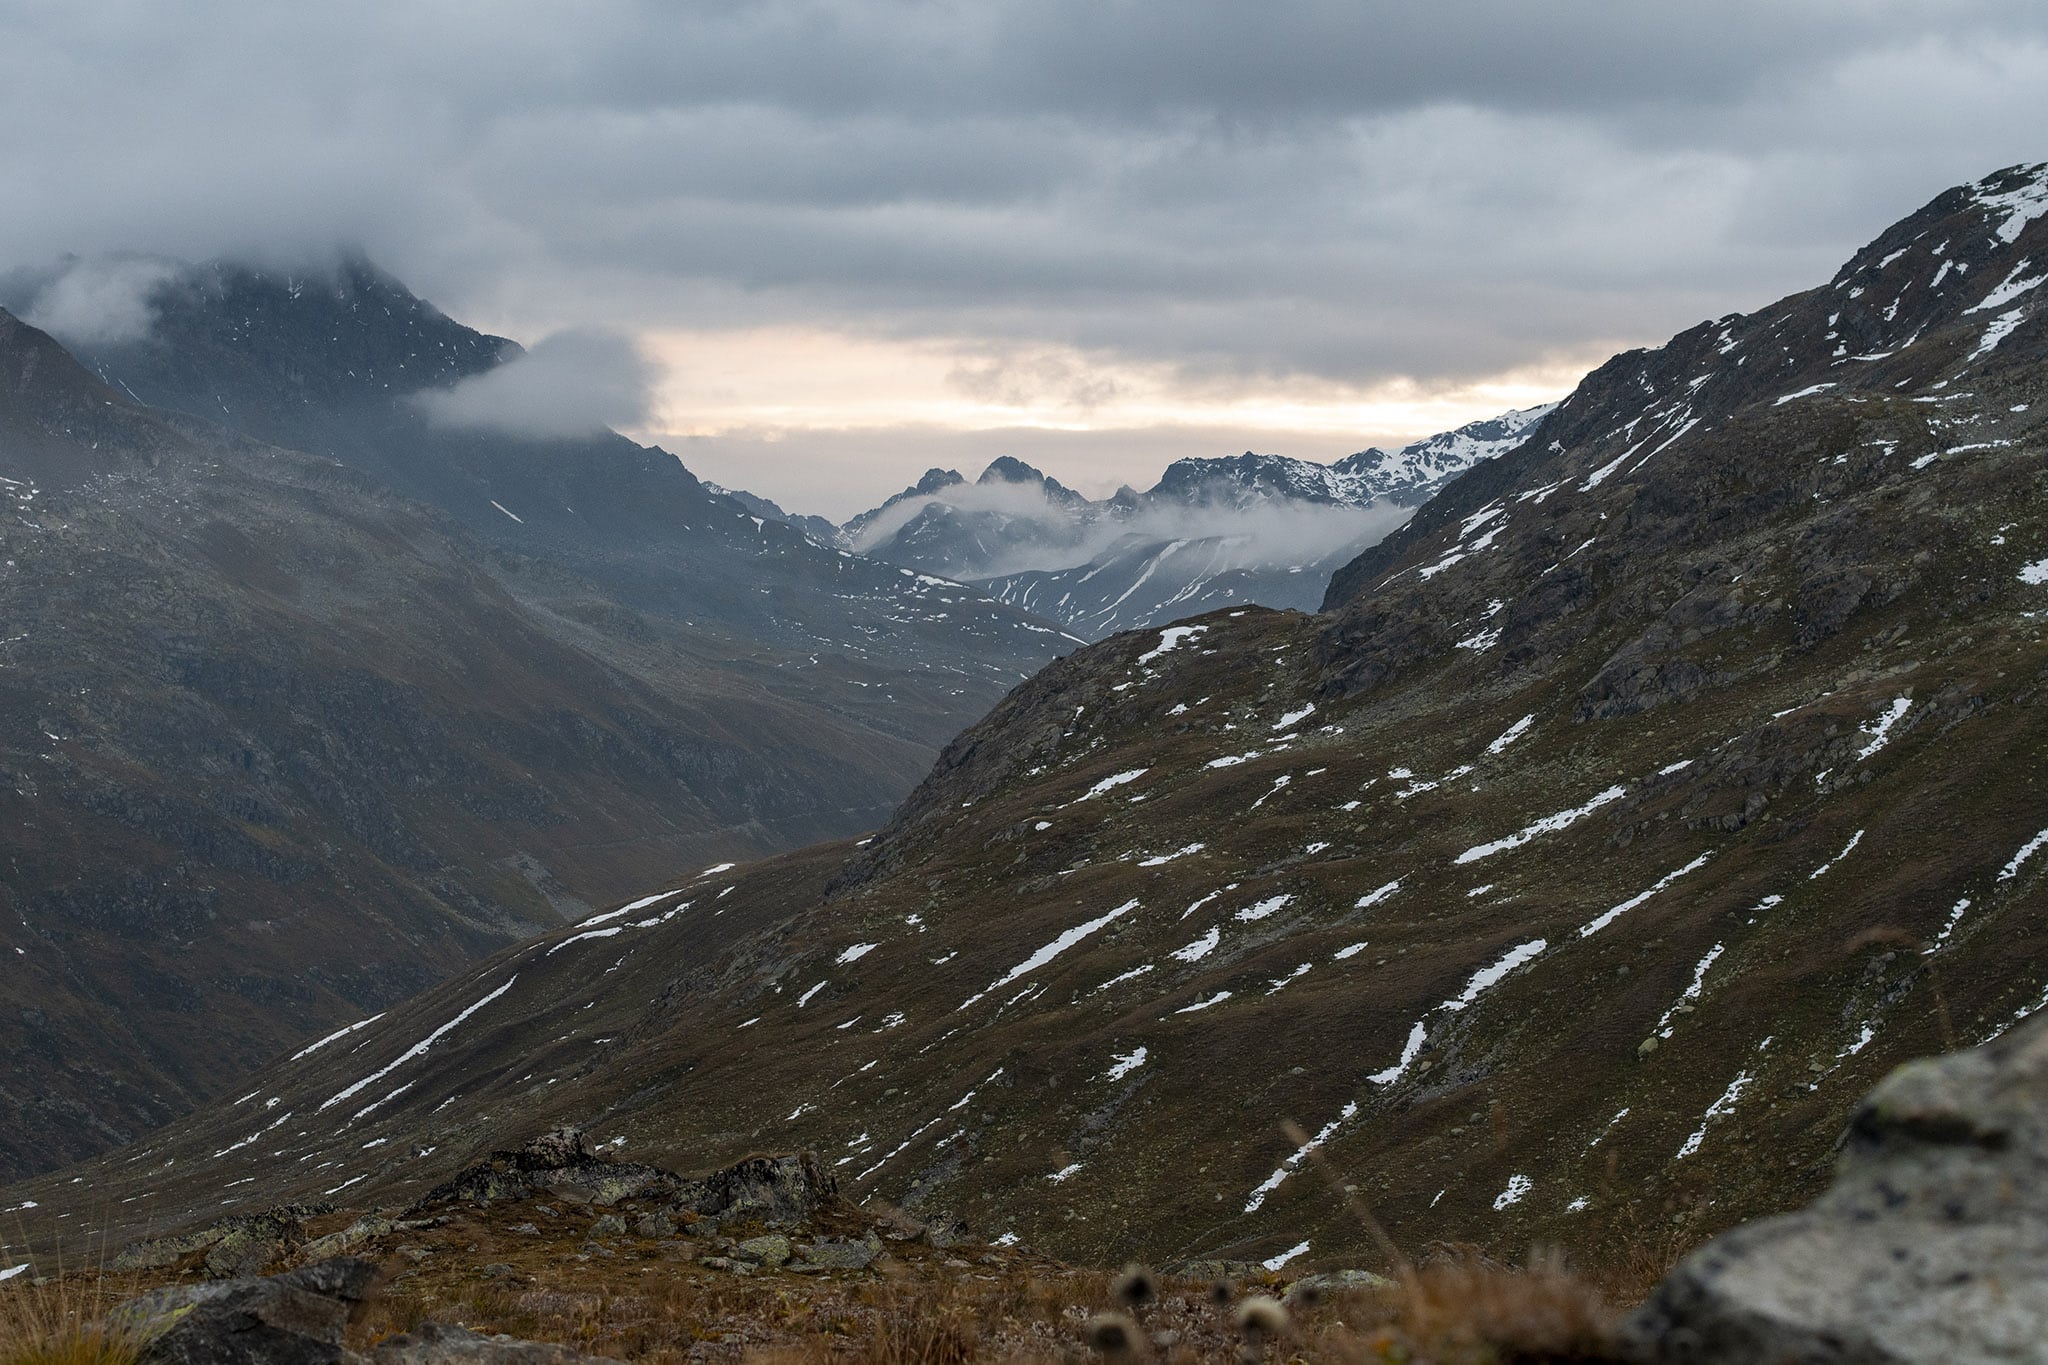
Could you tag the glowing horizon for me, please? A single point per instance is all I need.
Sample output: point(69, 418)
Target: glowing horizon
point(726, 400)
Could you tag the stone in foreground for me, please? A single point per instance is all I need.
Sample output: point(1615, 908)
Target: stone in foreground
point(1932, 1244)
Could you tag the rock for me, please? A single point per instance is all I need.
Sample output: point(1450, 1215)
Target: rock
point(349, 1238)
point(725, 1263)
point(1333, 1282)
point(941, 1233)
point(771, 1250)
point(497, 1270)
point(236, 1247)
point(1932, 1243)
point(777, 1190)
point(559, 1163)
point(610, 1225)
point(434, 1343)
point(296, 1318)
point(654, 1225)
point(836, 1253)
point(1647, 1046)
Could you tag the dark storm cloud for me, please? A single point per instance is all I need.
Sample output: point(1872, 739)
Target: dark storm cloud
point(1325, 187)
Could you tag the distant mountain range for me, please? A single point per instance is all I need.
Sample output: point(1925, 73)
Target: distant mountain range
point(1250, 528)
point(1626, 813)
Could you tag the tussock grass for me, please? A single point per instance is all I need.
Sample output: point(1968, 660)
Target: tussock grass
point(60, 1323)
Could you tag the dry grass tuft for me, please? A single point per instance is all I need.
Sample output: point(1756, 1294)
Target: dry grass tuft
point(59, 1323)
point(1463, 1309)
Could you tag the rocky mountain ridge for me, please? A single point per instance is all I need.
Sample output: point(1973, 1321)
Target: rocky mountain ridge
point(1663, 784)
point(1248, 529)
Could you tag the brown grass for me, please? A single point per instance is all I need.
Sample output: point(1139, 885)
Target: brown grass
point(58, 1323)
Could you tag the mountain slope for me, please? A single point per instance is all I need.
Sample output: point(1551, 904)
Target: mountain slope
point(339, 361)
point(1660, 786)
point(280, 748)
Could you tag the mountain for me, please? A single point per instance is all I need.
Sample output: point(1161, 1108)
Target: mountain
point(1658, 787)
point(345, 362)
point(1252, 528)
point(284, 746)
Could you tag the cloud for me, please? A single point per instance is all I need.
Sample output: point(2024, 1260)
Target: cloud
point(571, 383)
point(1352, 190)
point(99, 302)
point(1263, 535)
point(1033, 380)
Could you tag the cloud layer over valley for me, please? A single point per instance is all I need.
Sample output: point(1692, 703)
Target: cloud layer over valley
point(1073, 217)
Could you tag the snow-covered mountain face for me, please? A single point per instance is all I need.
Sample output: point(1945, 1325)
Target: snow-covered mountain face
point(1655, 790)
point(1249, 528)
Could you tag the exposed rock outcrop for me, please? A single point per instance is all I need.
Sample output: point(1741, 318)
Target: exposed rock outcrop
point(780, 1190)
point(1932, 1244)
point(296, 1318)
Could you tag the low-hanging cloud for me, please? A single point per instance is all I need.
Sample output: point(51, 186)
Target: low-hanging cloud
point(1266, 534)
point(100, 302)
point(572, 383)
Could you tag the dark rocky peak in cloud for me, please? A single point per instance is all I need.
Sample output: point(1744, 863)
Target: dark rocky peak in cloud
point(1009, 469)
point(257, 345)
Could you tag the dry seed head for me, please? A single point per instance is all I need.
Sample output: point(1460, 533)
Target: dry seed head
point(1112, 1333)
point(1307, 1293)
point(1135, 1287)
point(1260, 1317)
point(1221, 1292)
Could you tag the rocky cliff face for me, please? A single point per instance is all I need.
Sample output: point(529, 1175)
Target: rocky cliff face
point(1662, 786)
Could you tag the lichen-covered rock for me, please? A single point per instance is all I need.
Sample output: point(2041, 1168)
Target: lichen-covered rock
point(558, 1162)
point(1932, 1244)
point(296, 1318)
point(778, 1190)
point(1333, 1282)
point(837, 1253)
point(236, 1247)
point(771, 1250)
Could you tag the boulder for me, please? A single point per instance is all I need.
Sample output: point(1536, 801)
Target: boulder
point(1931, 1245)
point(434, 1343)
point(558, 1162)
point(1311, 1287)
point(840, 1253)
point(771, 1250)
point(296, 1318)
point(236, 1247)
point(778, 1190)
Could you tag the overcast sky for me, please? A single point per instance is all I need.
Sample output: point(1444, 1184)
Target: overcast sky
point(855, 237)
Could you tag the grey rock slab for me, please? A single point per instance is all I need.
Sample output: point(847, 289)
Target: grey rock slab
point(771, 1250)
point(435, 1343)
point(296, 1318)
point(1931, 1245)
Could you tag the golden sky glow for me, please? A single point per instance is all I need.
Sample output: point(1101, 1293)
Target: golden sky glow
point(728, 395)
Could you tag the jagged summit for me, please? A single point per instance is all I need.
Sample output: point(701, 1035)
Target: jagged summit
point(1246, 528)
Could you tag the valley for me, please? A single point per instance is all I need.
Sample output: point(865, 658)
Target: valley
point(1621, 819)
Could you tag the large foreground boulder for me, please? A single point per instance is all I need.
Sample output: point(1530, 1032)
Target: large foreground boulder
point(1932, 1244)
point(300, 1318)
point(297, 1318)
